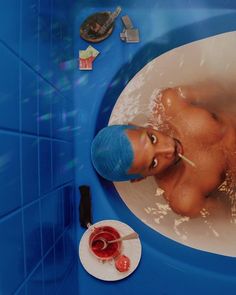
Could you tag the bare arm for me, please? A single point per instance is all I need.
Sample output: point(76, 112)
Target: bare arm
point(216, 98)
point(187, 201)
point(208, 93)
point(206, 96)
point(202, 93)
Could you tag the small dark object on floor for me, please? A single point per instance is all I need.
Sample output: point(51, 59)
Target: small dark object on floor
point(90, 29)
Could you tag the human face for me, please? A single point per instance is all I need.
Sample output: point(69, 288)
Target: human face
point(154, 152)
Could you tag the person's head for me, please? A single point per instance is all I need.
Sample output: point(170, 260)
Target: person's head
point(126, 152)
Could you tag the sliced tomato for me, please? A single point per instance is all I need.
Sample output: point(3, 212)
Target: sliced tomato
point(122, 263)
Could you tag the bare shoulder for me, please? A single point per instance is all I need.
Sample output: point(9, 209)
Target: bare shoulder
point(178, 105)
point(173, 100)
point(187, 200)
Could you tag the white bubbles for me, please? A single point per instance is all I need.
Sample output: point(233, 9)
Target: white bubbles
point(179, 230)
point(159, 192)
point(180, 92)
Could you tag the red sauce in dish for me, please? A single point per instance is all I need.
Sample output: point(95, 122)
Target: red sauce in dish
point(108, 233)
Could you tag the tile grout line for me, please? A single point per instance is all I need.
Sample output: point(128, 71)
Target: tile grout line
point(32, 69)
point(68, 271)
point(9, 131)
point(21, 148)
point(51, 145)
point(21, 134)
point(41, 261)
point(51, 110)
point(75, 215)
point(35, 201)
point(39, 178)
point(41, 240)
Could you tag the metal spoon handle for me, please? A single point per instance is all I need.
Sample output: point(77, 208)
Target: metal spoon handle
point(131, 236)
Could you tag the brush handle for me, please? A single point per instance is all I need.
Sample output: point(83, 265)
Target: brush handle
point(85, 206)
point(110, 20)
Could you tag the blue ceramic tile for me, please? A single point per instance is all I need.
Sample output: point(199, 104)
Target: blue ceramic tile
point(56, 49)
point(61, 266)
point(62, 49)
point(9, 81)
point(68, 198)
point(70, 284)
point(70, 263)
point(68, 162)
point(59, 251)
point(45, 38)
point(48, 214)
point(59, 213)
point(30, 177)
point(11, 254)
point(70, 115)
point(10, 23)
point(62, 55)
point(69, 168)
point(60, 22)
point(10, 196)
point(58, 154)
point(70, 245)
point(73, 210)
point(29, 45)
point(29, 100)
point(52, 211)
point(63, 165)
point(59, 121)
point(22, 291)
point(49, 273)
point(35, 283)
point(64, 81)
point(32, 236)
point(45, 98)
point(45, 166)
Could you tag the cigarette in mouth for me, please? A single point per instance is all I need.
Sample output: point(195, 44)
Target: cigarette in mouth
point(187, 160)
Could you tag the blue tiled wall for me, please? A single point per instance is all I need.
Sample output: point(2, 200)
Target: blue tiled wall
point(37, 193)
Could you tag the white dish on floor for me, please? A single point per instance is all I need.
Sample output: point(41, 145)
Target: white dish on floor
point(106, 270)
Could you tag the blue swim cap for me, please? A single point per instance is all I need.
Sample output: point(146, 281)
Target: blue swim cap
point(112, 153)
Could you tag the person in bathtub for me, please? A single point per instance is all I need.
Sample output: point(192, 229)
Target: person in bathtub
point(189, 156)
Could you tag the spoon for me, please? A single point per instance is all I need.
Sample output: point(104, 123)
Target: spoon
point(131, 236)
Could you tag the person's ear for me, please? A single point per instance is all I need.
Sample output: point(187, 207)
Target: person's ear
point(137, 179)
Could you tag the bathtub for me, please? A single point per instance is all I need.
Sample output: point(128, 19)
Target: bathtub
point(167, 266)
point(49, 113)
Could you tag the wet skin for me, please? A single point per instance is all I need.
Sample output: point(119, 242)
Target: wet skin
point(205, 138)
point(155, 152)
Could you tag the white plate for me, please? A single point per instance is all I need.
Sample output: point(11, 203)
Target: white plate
point(106, 270)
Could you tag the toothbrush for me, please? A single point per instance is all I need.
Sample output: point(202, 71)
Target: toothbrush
point(110, 20)
point(187, 160)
